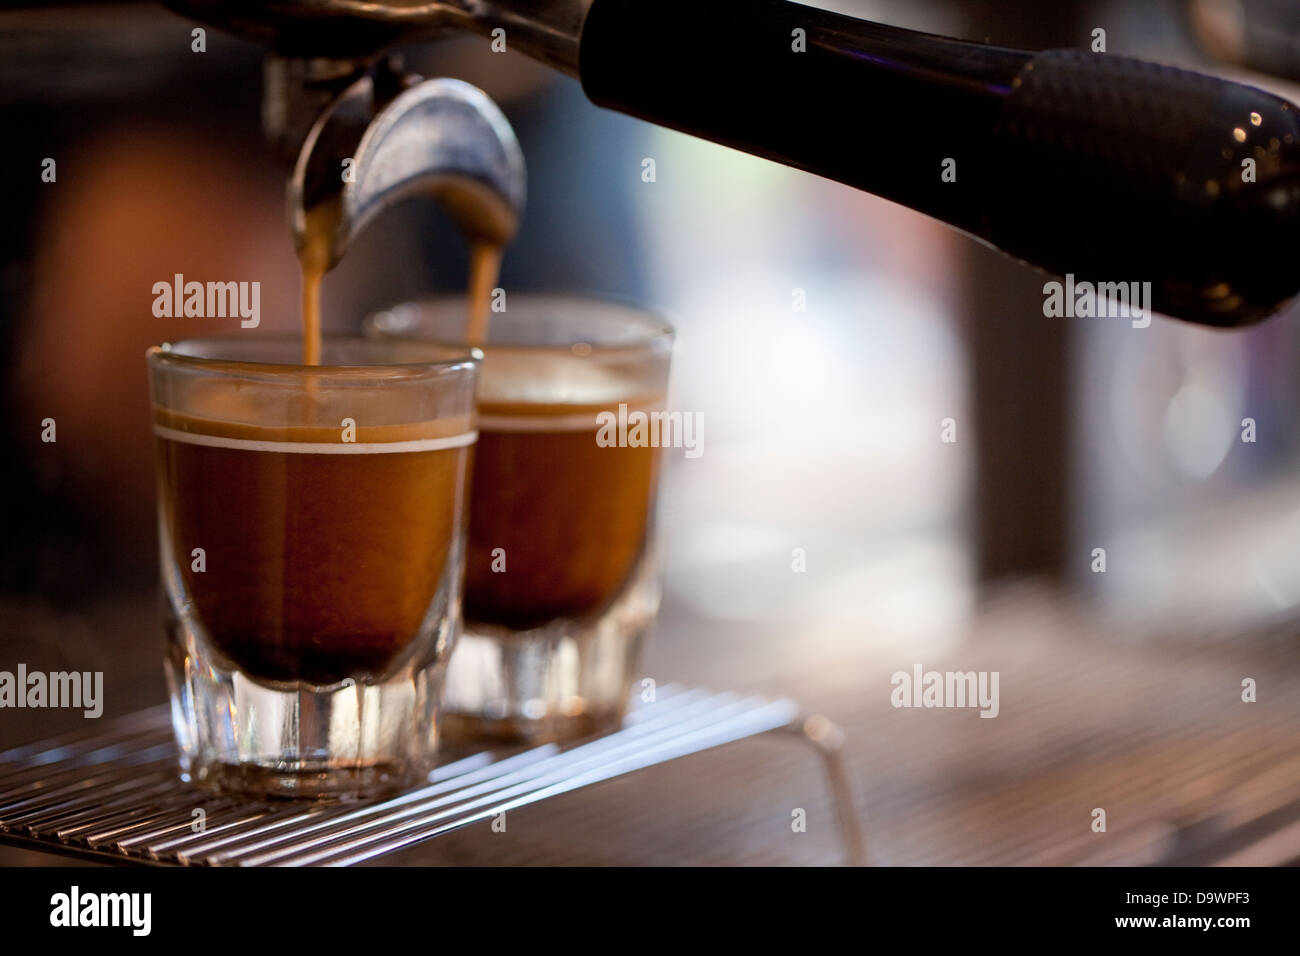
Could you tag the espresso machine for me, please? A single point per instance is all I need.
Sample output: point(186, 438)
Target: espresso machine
point(1073, 162)
point(1079, 163)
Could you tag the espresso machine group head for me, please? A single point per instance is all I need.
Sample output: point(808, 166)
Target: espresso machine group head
point(333, 94)
point(387, 136)
point(1106, 168)
point(358, 133)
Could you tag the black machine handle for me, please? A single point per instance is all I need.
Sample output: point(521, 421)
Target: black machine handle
point(1111, 169)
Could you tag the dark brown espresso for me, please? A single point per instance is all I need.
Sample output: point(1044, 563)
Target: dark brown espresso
point(317, 567)
point(570, 515)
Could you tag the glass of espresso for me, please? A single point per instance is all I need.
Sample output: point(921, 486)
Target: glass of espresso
point(312, 530)
point(561, 582)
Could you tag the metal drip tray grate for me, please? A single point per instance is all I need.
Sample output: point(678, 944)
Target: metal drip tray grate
point(116, 794)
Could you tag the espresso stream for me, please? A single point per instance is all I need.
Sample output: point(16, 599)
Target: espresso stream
point(485, 218)
point(314, 260)
point(484, 269)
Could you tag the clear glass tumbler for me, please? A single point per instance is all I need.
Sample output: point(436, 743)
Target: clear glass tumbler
point(312, 527)
point(561, 579)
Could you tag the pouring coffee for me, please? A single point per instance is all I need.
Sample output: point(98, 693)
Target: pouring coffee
point(374, 146)
point(320, 489)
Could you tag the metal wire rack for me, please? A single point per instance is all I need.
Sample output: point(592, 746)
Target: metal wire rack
point(115, 793)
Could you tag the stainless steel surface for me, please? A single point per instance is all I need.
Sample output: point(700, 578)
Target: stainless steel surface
point(436, 138)
point(116, 794)
point(828, 739)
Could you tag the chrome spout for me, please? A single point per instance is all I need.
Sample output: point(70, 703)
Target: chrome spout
point(386, 138)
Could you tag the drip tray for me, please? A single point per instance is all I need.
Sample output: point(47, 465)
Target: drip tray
point(115, 794)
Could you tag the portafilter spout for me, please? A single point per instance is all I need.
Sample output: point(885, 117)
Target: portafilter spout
point(385, 138)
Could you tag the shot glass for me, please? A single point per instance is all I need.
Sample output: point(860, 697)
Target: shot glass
point(312, 528)
point(561, 579)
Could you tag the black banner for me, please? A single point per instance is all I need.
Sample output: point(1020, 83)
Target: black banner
point(144, 905)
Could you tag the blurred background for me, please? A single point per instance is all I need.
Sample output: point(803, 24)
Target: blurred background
point(1120, 688)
